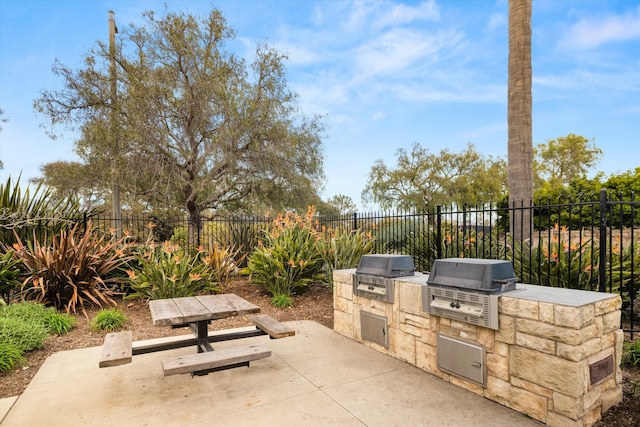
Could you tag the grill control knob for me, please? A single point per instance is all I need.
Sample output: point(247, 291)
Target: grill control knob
point(452, 305)
point(457, 305)
point(371, 287)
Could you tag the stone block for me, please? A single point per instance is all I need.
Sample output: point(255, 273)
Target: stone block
point(343, 304)
point(574, 317)
point(507, 331)
point(546, 312)
point(343, 324)
point(410, 297)
point(486, 337)
point(533, 388)
point(571, 407)
point(421, 321)
point(343, 290)
point(619, 341)
point(556, 333)
point(469, 386)
point(536, 343)
point(608, 305)
point(402, 346)
point(343, 276)
point(611, 321)
point(501, 348)
point(564, 376)
point(410, 329)
point(521, 400)
point(516, 307)
point(498, 366)
point(611, 397)
point(426, 358)
point(578, 352)
point(557, 420)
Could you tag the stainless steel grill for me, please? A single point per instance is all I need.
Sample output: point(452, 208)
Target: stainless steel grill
point(375, 275)
point(467, 289)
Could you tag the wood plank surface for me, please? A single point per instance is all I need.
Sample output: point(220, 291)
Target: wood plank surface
point(192, 310)
point(272, 327)
point(218, 307)
point(241, 305)
point(116, 349)
point(165, 312)
point(214, 359)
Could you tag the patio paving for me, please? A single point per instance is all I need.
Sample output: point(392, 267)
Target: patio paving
point(316, 378)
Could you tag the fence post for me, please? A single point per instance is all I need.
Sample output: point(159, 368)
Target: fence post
point(438, 231)
point(355, 221)
point(602, 267)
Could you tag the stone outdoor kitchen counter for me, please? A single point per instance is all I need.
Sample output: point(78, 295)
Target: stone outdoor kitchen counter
point(555, 356)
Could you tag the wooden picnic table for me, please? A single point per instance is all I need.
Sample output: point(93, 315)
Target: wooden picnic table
point(197, 313)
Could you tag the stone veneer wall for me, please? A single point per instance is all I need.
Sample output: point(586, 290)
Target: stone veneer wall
point(537, 363)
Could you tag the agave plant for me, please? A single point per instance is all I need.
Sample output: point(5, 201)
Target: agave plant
point(28, 214)
point(71, 271)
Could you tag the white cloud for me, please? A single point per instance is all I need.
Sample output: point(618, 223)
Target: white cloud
point(594, 32)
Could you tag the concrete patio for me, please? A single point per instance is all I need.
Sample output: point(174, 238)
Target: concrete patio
point(316, 378)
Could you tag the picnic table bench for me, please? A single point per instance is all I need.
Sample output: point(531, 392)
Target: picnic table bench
point(197, 313)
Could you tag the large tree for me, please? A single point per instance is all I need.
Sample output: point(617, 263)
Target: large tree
point(198, 127)
point(421, 177)
point(519, 118)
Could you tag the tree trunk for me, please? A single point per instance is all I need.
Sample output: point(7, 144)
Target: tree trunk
point(520, 144)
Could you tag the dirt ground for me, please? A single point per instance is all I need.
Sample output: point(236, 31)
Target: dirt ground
point(316, 304)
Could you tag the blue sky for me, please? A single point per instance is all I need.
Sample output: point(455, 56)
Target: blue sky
point(385, 74)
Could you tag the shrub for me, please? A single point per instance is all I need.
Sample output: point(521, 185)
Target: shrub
point(343, 250)
point(243, 238)
point(10, 356)
point(222, 264)
point(164, 272)
point(108, 320)
point(553, 262)
point(290, 257)
point(9, 273)
point(73, 270)
point(59, 323)
point(24, 334)
point(631, 353)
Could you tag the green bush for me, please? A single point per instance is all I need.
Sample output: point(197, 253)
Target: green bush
point(164, 272)
point(59, 323)
point(343, 250)
point(290, 257)
point(9, 273)
point(25, 334)
point(10, 356)
point(109, 320)
point(631, 353)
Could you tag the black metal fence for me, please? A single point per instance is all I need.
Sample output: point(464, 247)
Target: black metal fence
point(589, 244)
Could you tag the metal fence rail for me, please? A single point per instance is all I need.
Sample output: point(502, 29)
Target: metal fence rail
point(589, 244)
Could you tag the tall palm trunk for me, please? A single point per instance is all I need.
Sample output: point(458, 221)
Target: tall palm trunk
point(520, 144)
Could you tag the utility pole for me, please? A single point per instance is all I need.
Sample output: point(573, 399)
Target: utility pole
point(115, 138)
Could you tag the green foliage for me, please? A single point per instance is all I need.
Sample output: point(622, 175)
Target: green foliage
point(59, 323)
point(222, 264)
point(10, 356)
point(72, 271)
point(241, 237)
point(290, 257)
point(28, 214)
point(24, 327)
point(26, 334)
point(556, 262)
point(342, 250)
point(9, 273)
point(421, 177)
point(281, 300)
point(631, 353)
point(109, 320)
point(164, 272)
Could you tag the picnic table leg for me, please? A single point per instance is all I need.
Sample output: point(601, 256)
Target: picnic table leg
point(201, 331)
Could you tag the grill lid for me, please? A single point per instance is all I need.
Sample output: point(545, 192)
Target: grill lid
point(386, 265)
point(487, 275)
